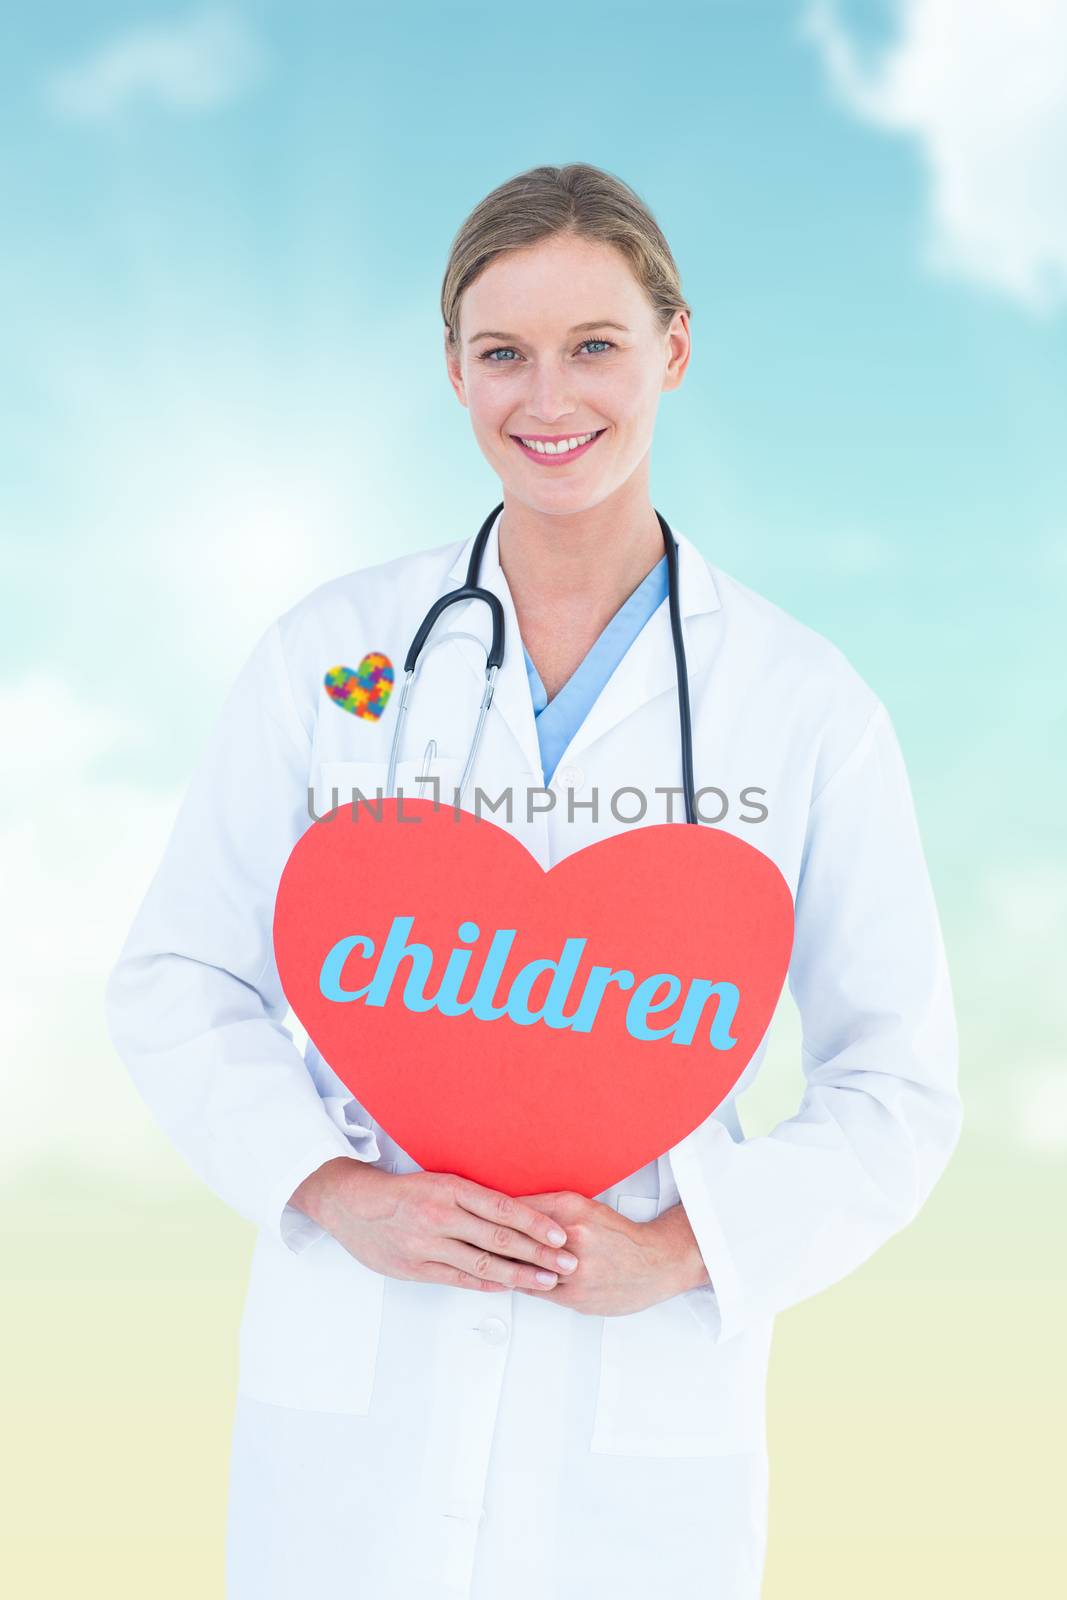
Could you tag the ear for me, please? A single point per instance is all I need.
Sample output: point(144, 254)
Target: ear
point(679, 349)
point(455, 370)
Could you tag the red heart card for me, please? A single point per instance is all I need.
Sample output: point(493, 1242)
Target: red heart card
point(530, 1030)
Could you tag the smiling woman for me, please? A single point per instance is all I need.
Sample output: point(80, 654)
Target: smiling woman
point(560, 339)
point(602, 1431)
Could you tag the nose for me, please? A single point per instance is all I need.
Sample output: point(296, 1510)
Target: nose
point(551, 397)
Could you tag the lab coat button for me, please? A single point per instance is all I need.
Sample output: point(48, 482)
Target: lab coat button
point(570, 777)
point(493, 1330)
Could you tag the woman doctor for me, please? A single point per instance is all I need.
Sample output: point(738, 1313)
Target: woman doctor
point(445, 1390)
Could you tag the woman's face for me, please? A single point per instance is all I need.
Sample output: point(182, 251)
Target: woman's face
point(558, 341)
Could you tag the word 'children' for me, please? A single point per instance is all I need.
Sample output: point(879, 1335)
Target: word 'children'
point(339, 970)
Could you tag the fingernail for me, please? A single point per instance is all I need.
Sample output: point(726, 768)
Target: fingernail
point(546, 1277)
point(566, 1260)
point(556, 1236)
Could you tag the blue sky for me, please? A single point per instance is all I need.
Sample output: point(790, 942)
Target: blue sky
point(223, 383)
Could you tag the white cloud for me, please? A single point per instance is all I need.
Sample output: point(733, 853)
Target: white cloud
point(191, 66)
point(28, 755)
point(1028, 904)
point(1020, 1107)
point(77, 853)
point(211, 500)
point(216, 486)
point(982, 85)
point(1042, 1106)
point(1013, 1072)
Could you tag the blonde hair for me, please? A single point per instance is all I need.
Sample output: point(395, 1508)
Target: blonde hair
point(577, 199)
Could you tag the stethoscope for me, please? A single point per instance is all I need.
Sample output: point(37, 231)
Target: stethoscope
point(495, 655)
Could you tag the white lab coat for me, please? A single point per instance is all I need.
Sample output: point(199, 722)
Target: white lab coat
point(414, 1440)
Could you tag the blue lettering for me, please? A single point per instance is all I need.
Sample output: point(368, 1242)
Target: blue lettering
point(395, 950)
point(552, 1010)
point(330, 976)
point(652, 995)
point(641, 1003)
point(599, 978)
point(447, 1000)
point(699, 991)
point(482, 1005)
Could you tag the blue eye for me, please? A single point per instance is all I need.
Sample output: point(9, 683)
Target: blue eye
point(503, 349)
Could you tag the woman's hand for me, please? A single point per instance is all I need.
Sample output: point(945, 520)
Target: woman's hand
point(435, 1227)
point(622, 1265)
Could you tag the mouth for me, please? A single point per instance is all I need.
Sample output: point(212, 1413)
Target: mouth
point(557, 457)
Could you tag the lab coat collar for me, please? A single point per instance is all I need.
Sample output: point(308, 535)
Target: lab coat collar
point(647, 669)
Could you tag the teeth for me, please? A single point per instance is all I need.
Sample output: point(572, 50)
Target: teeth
point(561, 448)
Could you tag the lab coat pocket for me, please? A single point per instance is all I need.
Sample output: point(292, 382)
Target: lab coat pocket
point(666, 1390)
point(339, 780)
point(311, 1327)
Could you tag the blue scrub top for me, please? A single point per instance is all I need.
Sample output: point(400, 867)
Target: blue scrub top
point(559, 719)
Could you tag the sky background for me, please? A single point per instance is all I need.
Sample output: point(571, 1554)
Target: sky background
point(223, 383)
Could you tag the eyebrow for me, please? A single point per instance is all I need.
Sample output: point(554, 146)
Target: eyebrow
point(579, 327)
